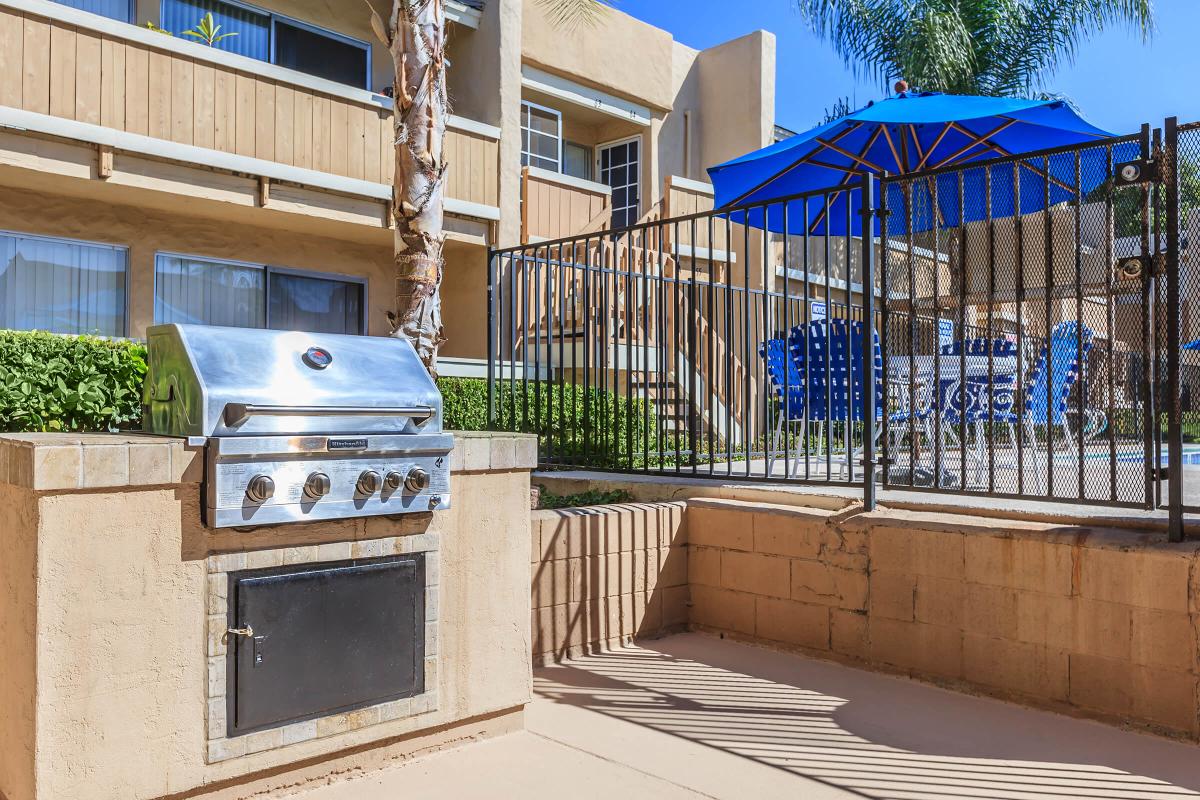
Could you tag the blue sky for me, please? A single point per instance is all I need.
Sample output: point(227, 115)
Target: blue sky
point(1117, 81)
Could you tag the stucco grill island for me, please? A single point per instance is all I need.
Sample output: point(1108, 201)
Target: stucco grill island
point(297, 427)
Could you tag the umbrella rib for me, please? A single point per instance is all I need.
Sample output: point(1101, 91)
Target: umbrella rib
point(901, 167)
point(802, 160)
point(976, 140)
point(859, 158)
point(912, 130)
point(936, 142)
point(845, 179)
point(1005, 152)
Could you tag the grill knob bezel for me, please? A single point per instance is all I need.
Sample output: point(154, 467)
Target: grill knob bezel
point(260, 489)
point(417, 480)
point(317, 485)
point(394, 480)
point(369, 482)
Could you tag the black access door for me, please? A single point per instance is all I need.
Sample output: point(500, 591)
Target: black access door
point(325, 639)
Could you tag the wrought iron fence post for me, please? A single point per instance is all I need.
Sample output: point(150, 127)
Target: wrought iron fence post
point(1169, 175)
point(868, 346)
point(492, 349)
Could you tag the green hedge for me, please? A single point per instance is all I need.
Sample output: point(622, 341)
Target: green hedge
point(69, 383)
point(84, 383)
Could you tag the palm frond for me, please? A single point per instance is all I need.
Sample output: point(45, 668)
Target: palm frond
point(996, 47)
point(573, 13)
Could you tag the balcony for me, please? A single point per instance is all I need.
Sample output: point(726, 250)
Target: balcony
point(81, 77)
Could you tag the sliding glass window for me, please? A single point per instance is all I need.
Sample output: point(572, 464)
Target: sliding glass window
point(62, 285)
point(209, 291)
point(276, 39)
point(120, 10)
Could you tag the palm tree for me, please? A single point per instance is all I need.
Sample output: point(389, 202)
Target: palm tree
point(989, 47)
point(416, 37)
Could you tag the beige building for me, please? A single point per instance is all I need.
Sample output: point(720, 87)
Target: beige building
point(152, 178)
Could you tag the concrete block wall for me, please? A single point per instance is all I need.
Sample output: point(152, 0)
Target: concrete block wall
point(604, 574)
point(1090, 621)
point(1096, 622)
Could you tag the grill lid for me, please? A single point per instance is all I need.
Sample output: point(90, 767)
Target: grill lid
point(206, 380)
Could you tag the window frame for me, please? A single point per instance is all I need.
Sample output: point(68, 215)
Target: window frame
point(128, 294)
point(268, 271)
point(272, 17)
point(531, 133)
point(637, 137)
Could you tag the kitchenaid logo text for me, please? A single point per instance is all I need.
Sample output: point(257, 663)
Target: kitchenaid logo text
point(346, 444)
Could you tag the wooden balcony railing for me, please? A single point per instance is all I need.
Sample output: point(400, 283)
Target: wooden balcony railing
point(129, 79)
point(554, 205)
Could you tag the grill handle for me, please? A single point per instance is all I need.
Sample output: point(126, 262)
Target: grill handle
point(237, 413)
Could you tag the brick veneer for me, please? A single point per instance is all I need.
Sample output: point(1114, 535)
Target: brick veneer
point(1091, 621)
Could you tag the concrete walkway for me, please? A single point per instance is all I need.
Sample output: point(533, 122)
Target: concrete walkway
point(693, 716)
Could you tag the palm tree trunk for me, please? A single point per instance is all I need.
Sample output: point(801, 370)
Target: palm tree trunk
point(416, 37)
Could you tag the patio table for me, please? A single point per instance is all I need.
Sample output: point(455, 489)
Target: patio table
point(901, 369)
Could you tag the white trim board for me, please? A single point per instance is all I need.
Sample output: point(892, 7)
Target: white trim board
point(569, 180)
point(690, 185)
point(204, 157)
point(682, 250)
point(463, 14)
point(580, 95)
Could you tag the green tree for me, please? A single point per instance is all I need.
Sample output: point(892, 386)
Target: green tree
point(415, 34)
point(987, 47)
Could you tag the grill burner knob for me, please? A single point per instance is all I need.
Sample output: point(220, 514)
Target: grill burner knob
point(417, 480)
point(369, 482)
point(317, 485)
point(260, 488)
point(394, 480)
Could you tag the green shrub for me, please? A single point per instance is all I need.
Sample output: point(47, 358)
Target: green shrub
point(69, 383)
point(577, 426)
point(592, 497)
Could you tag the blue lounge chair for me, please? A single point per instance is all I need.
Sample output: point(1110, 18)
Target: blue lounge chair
point(829, 355)
point(786, 379)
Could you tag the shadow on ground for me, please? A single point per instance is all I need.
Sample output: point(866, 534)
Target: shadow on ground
point(867, 734)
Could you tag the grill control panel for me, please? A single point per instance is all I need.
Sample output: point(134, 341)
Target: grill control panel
point(248, 484)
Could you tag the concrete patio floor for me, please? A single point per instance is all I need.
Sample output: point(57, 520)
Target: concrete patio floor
point(694, 716)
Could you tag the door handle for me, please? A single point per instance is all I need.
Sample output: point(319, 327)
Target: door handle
point(247, 631)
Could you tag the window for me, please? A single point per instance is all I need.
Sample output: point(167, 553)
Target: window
point(311, 51)
point(120, 10)
point(62, 285)
point(276, 39)
point(577, 160)
point(541, 137)
point(619, 168)
point(208, 291)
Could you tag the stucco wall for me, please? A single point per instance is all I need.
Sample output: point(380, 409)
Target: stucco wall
point(18, 637)
point(737, 97)
point(598, 54)
point(120, 600)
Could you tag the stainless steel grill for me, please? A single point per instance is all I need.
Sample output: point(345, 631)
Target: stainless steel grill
point(300, 426)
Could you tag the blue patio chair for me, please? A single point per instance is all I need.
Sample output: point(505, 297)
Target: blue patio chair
point(829, 354)
point(1051, 381)
point(786, 379)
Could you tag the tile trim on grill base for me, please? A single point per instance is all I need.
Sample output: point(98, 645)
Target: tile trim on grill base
point(221, 747)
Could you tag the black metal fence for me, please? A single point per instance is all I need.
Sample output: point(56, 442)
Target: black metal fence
point(1011, 327)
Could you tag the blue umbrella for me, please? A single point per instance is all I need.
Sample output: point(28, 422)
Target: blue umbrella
point(921, 132)
point(1192, 345)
